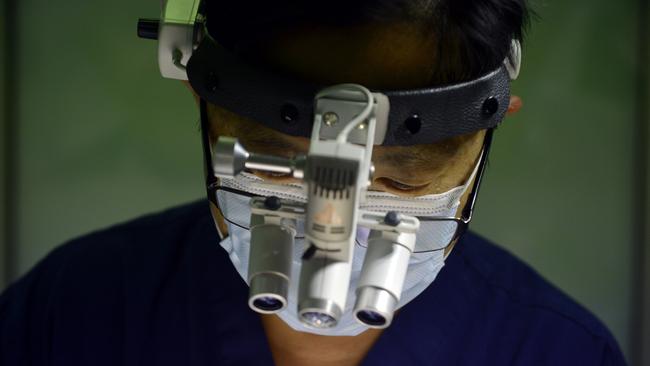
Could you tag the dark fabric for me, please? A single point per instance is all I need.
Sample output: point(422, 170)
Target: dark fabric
point(160, 291)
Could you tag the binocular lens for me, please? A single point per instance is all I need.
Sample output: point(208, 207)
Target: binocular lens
point(267, 303)
point(370, 317)
point(268, 293)
point(374, 307)
point(269, 268)
point(318, 320)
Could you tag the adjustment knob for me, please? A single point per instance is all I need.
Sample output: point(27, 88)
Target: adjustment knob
point(229, 157)
point(392, 218)
point(148, 28)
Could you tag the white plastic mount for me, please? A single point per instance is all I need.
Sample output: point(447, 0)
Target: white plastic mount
point(176, 37)
point(513, 61)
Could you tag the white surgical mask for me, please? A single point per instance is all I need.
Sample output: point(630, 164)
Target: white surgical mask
point(423, 267)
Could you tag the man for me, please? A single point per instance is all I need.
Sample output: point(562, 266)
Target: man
point(160, 291)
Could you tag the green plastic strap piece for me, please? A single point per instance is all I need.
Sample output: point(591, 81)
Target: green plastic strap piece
point(180, 11)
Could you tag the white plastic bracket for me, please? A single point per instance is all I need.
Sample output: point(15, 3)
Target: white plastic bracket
point(176, 37)
point(513, 61)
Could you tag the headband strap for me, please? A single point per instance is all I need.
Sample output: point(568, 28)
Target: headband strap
point(417, 116)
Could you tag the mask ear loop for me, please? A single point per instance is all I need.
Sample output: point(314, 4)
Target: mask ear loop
point(211, 182)
point(210, 178)
point(466, 214)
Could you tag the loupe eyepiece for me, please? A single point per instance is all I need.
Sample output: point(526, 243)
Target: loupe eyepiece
point(384, 270)
point(375, 307)
point(371, 317)
point(268, 293)
point(269, 269)
point(268, 303)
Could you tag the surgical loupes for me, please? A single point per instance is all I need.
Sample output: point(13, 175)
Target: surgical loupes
point(336, 173)
point(390, 244)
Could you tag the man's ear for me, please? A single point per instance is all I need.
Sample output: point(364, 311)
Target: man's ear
point(197, 98)
point(515, 105)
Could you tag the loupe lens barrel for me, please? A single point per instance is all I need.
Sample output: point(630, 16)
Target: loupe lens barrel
point(269, 267)
point(382, 278)
point(323, 290)
point(374, 307)
point(268, 293)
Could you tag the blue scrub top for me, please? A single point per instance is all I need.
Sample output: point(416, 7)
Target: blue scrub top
point(161, 291)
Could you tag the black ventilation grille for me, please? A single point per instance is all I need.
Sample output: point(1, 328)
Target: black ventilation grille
point(330, 177)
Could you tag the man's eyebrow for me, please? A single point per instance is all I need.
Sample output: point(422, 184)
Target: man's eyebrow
point(408, 159)
point(272, 143)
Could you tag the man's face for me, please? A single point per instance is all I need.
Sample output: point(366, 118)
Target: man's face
point(386, 57)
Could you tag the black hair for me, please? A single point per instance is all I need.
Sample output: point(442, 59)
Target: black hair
point(472, 36)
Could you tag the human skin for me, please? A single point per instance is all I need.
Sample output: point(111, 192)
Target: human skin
point(384, 57)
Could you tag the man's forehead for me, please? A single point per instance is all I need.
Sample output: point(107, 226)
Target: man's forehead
point(380, 56)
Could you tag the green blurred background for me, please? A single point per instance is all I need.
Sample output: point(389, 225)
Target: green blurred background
point(92, 135)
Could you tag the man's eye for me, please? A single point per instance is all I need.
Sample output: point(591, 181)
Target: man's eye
point(385, 181)
point(276, 174)
point(402, 186)
point(399, 185)
point(271, 175)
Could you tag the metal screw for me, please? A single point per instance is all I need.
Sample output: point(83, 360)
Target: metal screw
point(330, 118)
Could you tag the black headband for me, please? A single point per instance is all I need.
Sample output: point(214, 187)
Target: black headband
point(417, 116)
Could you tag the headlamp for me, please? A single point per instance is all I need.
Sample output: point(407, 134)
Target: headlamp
point(344, 122)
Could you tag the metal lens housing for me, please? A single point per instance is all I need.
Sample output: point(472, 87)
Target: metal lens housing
point(268, 293)
point(323, 290)
point(269, 265)
point(374, 307)
point(382, 277)
point(319, 313)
